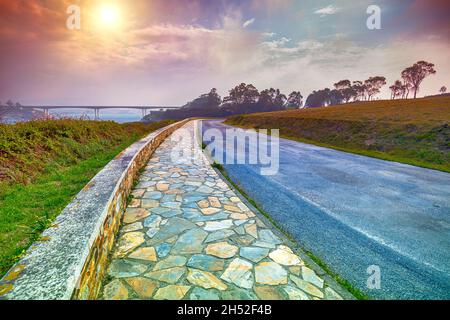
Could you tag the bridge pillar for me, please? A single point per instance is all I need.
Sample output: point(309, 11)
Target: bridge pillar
point(97, 113)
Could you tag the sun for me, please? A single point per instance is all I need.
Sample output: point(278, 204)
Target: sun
point(110, 16)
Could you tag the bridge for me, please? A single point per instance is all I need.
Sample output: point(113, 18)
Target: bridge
point(145, 109)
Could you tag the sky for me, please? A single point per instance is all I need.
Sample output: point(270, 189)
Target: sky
point(167, 52)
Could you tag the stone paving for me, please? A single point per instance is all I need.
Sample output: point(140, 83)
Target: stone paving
point(187, 235)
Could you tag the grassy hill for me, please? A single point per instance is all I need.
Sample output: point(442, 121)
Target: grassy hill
point(416, 132)
point(43, 165)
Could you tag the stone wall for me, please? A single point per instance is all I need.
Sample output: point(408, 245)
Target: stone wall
point(69, 262)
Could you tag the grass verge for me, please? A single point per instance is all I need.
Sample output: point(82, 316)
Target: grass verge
point(344, 283)
point(415, 132)
point(29, 206)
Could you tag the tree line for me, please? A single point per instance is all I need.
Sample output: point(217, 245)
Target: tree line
point(242, 99)
point(346, 91)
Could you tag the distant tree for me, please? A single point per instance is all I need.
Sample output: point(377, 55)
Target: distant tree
point(360, 90)
point(443, 90)
point(295, 100)
point(9, 103)
point(415, 75)
point(346, 90)
point(242, 94)
point(323, 98)
point(397, 89)
point(373, 86)
point(208, 100)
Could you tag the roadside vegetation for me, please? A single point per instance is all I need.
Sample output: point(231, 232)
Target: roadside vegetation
point(415, 131)
point(43, 165)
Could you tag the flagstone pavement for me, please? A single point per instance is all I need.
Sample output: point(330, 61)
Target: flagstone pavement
point(187, 235)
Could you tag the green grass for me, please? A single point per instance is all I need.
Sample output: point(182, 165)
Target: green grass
point(29, 206)
point(344, 283)
point(415, 132)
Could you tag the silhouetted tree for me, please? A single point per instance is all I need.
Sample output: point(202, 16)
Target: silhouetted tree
point(360, 90)
point(373, 86)
point(295, 100)
point(242, 94)
point(415, 75)
point(346, 90)
point(443, 90)
point(396, 89)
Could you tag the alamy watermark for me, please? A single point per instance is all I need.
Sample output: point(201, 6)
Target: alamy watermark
point(374, 19)
point(374, 279)
point(73, 21)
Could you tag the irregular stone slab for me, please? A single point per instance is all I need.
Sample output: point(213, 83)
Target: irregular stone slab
point(236, 294)
point(239, 272)
point(163, 249)
point(232, 208)
point(125, 269)
point(170, 213)
point(203, 204)
point(128, 242)
point(206, 263)
point(162, 187)
point(284, 257)
point(196, 216)
point(205, 280)
point(219, 235)
point(190, 242)
point(262, 244)
point(173, 227)
point(268, 293)
point(214, 201)
point(152, 232)
point(115, 290)
point(270, 273)
point(205, 190)
point(132, 227)
point(170, 262)
point(252, 230)
point(297, 270)
point(153, 221)
point(171, 205)
point(330, 294)
point(239, 216)
point(245, 240)
point(167, 275)
point(310, 276)
point(147, 254)
point(143, 287)
point(253, 253)
point(307, 287)
point(135, 214)
point(266, 235)
point(210, 211)
point(172, 293)
point(222, 250)
point(202, 294)
point(154, 195)
point(218, 225)
point(135, 203)
point(149, 204)
point(295, 294)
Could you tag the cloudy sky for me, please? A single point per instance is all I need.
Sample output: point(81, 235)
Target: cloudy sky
point(166, 52)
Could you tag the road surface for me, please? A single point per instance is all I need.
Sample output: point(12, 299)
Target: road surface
point(354, 212)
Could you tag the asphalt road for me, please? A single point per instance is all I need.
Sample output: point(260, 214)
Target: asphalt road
point(354, 212)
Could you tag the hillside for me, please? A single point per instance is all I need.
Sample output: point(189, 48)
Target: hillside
point(416, 132)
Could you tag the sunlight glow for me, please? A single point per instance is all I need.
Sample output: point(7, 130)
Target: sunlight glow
point(110, 16)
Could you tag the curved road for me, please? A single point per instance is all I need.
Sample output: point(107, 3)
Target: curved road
point(354, 212)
